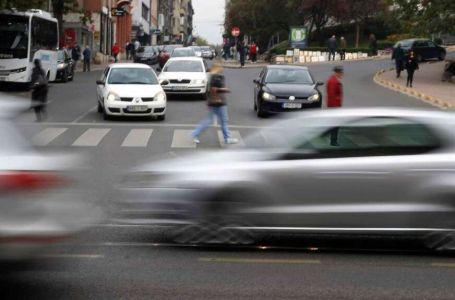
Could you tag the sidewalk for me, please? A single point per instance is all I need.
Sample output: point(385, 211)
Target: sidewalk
point(427, 85)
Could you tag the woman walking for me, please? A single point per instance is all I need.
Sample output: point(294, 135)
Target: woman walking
point(217, 106)
point(411, 67)
point(40, 89)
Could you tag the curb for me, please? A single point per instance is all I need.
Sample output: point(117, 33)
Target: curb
point(378, 79)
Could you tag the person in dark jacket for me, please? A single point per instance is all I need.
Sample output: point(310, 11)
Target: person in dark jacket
point(398, 55)
point(241, 50)
point(40, 90)
point(87, 58)
point(411, 66)
point(373, 45)
point(335, 98)
point(76, 54)
point(217, 106)
point(333, 46)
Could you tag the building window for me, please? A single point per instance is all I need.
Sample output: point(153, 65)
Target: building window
point(145, 12)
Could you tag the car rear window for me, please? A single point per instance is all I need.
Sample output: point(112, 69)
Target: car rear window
point(190, 66)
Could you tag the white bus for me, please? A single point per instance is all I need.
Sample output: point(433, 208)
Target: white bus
point(25, 36)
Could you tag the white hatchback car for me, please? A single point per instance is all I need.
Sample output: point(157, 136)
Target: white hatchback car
point(185, 75)
point(130, 90)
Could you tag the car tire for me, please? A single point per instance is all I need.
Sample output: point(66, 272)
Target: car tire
point(260, 112)
point(161, 118)
point(204, 96)
point(100, 108)
point(72, 76)
point(106, 117)
point(419, 58)
point(255, 106)
point(65, 77)
point(442, 56)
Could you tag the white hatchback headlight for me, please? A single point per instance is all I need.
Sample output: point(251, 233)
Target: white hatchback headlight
point(314, 97)
point(61, 66)
point(113, 97)
point(160, 97)
point(268, 96)
point(198, 81)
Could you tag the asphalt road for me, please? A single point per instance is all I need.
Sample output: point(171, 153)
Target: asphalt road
point(110, 261)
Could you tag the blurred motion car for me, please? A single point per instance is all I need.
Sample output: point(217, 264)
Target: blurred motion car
point(43, 195)
point(130, 90)
point(147, 55)
point(183, 52)
point(424, 49)
point(165, 53)
point(282, 88)
point(65, 66)
point(185, 75)
point(207, 53)
point(197, 50)
point(393, 174)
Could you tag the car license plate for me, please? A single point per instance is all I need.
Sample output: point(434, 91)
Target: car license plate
point(179, 88)
point(137, 108)
point(292, 105)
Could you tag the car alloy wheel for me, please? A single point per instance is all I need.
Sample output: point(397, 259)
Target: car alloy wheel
point(65, 76)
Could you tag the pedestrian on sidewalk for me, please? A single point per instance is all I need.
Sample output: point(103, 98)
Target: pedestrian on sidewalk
point(115, 51)
point(253, 52)
point(216, 103)
point(131, 50)
point(343, 47)
point(373, 45)
point(335, 98)
point(241, 50)
point(76, 54)
point(87, 54)
point(332, 46)
point(40, 90)
point(411, 66)
point(398, 55)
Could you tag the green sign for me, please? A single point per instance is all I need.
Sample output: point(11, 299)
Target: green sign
point(298, 37)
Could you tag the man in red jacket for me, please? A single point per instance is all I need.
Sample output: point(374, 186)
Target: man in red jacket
point(335, 98)
point(115, 51)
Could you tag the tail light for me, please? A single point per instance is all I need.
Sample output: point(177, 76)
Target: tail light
point(22, 180)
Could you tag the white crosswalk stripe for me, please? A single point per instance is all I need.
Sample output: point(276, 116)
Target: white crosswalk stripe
point(137, 138)
point(47, 135)
point(91, 138)
point(182, 139)
point(234, 134)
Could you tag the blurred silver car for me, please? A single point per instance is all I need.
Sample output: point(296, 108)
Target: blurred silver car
point(392, 173)
point(43, 197)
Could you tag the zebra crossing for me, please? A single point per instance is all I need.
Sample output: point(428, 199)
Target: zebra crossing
point(132, 138)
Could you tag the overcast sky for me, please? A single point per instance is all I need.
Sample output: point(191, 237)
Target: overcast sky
point(209, 19)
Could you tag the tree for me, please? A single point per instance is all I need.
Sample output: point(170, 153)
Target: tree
point(200, 41)
point(60, 8)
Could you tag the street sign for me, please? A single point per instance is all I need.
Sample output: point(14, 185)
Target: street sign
point(117, 12)
point(298, 37)
point(235, 31)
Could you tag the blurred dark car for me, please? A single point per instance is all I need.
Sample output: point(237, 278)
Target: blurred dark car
point(165, 53)
point(148, 55)
point(183, 52)
point(282, 88)
point(424, 49)
point(392, 175)
point(65, 67)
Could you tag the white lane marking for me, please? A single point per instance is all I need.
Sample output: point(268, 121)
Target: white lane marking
point(183, 139)
point(258, 260)
point(85, 114)
point(234, 134)
point(91, 138)
point(47, 135)
point(137, 138)
point(77, 256)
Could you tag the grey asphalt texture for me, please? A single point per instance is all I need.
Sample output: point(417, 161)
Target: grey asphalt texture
point(111, 262)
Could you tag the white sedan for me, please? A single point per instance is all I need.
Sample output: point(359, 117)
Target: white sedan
point(185, 75)
point(130, 90)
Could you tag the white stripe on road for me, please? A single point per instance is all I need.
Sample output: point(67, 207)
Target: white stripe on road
point(182, 139)
point(91, 138)
point(138, 138)
point(47, 136)
point(234, 134)
point(78, 256)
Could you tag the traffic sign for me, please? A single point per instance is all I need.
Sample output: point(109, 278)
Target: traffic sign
point(235, 31)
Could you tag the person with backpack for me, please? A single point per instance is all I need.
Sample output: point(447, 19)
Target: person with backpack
point(217, 106)
point(39, 91)
point(76, 54)
point(253, 52)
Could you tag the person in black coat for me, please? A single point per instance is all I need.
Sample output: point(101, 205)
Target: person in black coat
point(40, 90)
point(411, 65)
point(241, 49)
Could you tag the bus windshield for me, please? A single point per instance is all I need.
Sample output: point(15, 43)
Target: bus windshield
point(13, 36)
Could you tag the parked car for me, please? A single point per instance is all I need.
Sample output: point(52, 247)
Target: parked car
point(185, 75)
point(147, 55)
point(165, 53)
point(183, 52)
point(65, 67)
point(130, 90)
point(207, 52)
point(423, 48)
point(197, 50)
point(392, 175)
point(43, 196)
point(281, 88)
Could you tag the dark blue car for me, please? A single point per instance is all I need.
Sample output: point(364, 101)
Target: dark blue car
point(424, 49)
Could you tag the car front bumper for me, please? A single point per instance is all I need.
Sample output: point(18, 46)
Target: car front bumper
point(144, 109)
point(190, 89)
point(279, 106)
